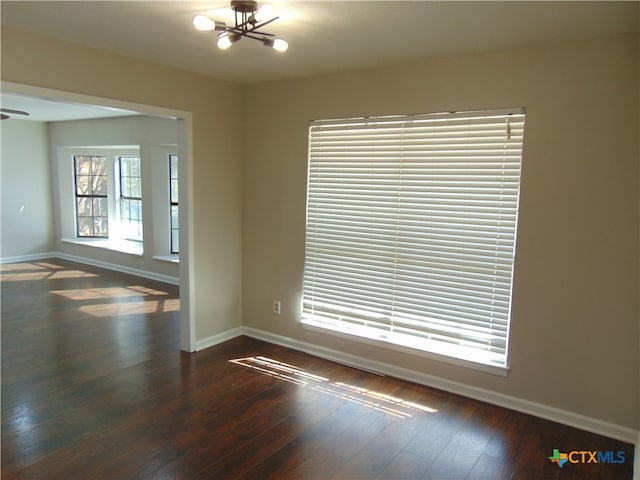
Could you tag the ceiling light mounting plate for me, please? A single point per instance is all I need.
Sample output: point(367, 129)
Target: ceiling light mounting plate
point(244, 6)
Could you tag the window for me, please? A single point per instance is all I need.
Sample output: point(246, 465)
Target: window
point(411, 230)
point(130, 198)
point(173, 203)
point(92, 217)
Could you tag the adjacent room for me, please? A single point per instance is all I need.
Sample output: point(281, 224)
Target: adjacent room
point(341, 239)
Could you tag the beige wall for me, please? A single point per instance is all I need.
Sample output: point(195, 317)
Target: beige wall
point(217, 148)
point(27, 211)
point(574, 338)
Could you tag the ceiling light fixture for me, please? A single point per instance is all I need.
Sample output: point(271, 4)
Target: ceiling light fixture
point(248, 24)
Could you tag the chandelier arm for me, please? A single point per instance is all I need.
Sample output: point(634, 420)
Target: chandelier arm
point(246, 33)
point(254, 37)
point(257, 32)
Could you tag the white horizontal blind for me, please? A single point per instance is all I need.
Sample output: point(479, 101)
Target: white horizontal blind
point(411, 229)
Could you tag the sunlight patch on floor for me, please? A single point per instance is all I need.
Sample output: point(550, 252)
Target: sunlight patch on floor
point(24, 276)
point(80, 294)
point(19, 272)
point(146, 290)
point(131, 308)
point(281, 370)
point(8, 267)
point(72, 274)
point(391, 405)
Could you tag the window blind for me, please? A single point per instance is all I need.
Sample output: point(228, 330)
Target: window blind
point(411, 230)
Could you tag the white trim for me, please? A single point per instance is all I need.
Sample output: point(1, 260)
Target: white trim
point(120, 268)
point(525, 406)
point(636, 459)
point(218, 338)
point(28, 258)
point(356, 337)
point(187, 236)
point(61, 95)
point(122, 246)
point(167, 258)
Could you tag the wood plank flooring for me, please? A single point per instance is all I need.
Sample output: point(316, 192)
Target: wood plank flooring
point(94, 386)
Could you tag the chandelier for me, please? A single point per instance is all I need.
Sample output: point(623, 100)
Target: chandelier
point(249, 21)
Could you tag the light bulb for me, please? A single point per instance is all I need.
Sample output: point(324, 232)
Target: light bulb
point(280, 45)
point(224, 42)
point(203, 23)
point(225, 39)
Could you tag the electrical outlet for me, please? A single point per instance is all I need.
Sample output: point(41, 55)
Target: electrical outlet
point(276, 307)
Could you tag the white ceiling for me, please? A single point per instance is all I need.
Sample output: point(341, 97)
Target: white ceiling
point(324, 36)
point(45, 110)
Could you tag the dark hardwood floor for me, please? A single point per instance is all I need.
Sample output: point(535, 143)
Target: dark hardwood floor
point(94, 386)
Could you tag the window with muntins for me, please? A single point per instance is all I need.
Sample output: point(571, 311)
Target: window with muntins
point(92, 216)
point(411, 230)
point(173, 203)
point(130, 198)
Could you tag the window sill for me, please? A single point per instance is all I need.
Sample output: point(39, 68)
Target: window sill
point(377, 342)
point(122, 246)
point(167, 258)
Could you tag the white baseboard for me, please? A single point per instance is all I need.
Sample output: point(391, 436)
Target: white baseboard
point(120, 268)
point(218, 338)
point(27, 258)
point(96, 263)
point(525, 406)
